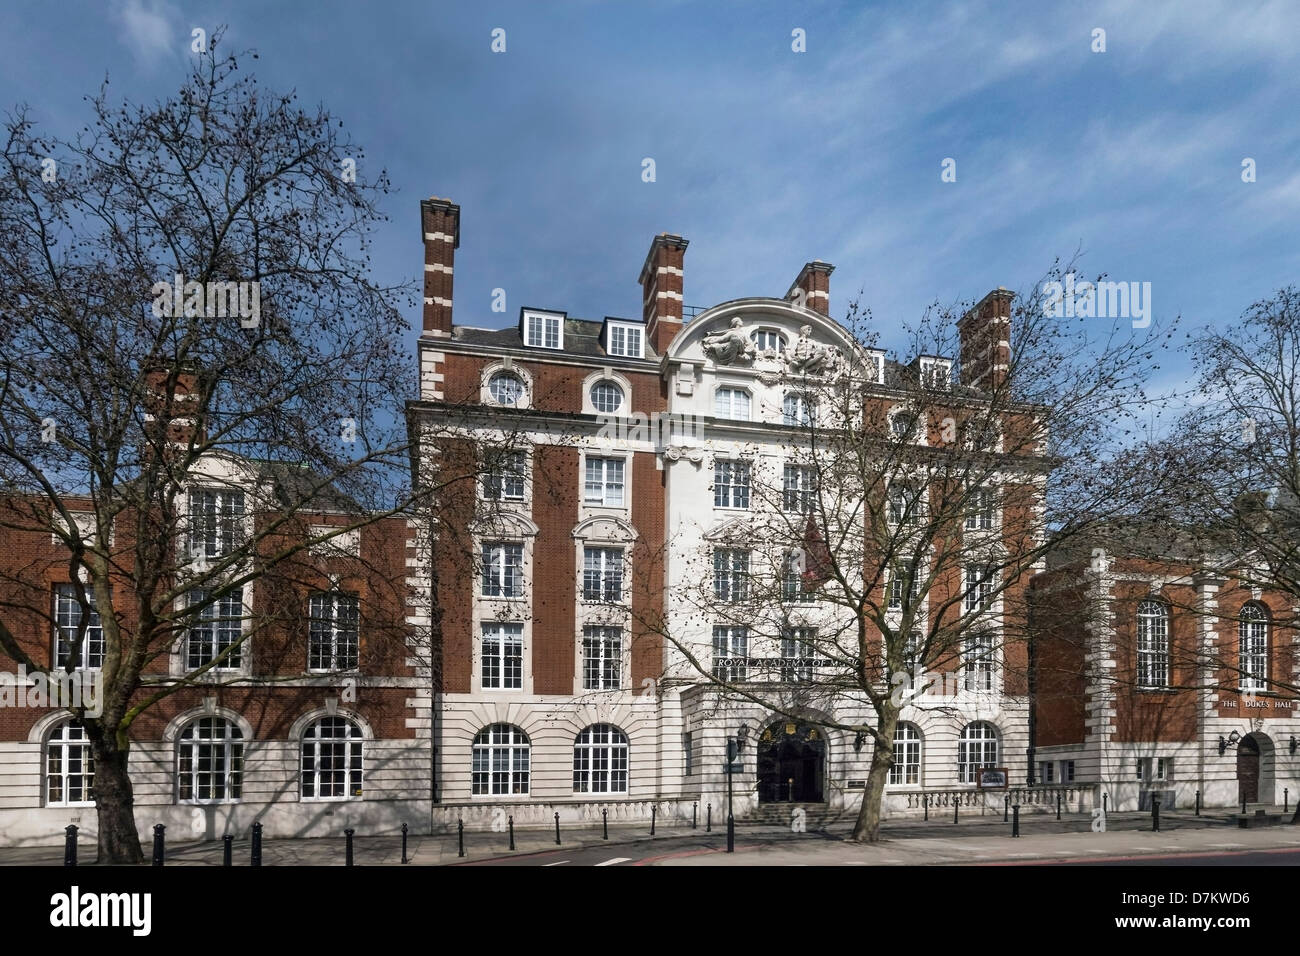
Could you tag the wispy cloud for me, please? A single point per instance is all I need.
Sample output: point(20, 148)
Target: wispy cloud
point(150, 28)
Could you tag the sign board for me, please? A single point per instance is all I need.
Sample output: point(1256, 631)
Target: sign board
point(993, 778)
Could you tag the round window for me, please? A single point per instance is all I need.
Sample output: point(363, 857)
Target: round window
point(505, 388)
point(606, 397)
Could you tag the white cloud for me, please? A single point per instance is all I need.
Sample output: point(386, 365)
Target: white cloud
point(149, 29)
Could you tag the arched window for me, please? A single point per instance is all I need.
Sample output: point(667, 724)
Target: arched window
point(1152, 644)
point(209, 760)
point(500, 761)
point(907, 755)
point(1252, 640)
point(506, 388)
point(606, 397)
point(976, 750)
point(332, 751)
point(768, 340)
point(69, 767)
point(600, 760)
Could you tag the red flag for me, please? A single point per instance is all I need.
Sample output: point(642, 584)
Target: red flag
point(816, 557)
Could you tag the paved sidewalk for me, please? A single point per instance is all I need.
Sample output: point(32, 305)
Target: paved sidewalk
point(972, 839)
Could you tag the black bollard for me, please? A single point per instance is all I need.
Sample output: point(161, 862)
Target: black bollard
point(510, 822)
point(955, 805)
point(695, 809)
point(227, 849)
point(604, 819)
point(348, 859)
point(557, 828)
point(404, 859)
point(1243, 806)
point(256, 857)
point(1058, 804)
point(1286, 798)
point(70, 845)
point(1103, 803)
point(1015, 820)
point(1006, 808)
point(652, 821)
point(460, 835)
point(925, 802)
point(1198, 803)
point(1155, 813)
point(158, 831)
point(708, 818)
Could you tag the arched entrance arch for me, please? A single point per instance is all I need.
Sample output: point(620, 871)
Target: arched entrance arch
point(792, 763)
point(1255, 769)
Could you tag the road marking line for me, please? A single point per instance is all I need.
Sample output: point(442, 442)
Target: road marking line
point(1225, 845)
point(617, 859)
point(559, 863)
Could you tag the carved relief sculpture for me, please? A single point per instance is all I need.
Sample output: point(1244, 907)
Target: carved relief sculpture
point(729, 345)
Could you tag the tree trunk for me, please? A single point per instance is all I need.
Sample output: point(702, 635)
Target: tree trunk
point(119, 841)
point(867, 827)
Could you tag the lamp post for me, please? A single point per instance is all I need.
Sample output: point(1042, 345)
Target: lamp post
point(734, 747)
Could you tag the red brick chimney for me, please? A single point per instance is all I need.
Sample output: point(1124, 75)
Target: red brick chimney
point(986, 341)
point(440, 221)
point(171, 403)
point(814, 280)
point(661, 290)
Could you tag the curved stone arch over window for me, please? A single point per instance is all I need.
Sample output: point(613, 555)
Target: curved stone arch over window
point(1152, 644)
point(908, 744)
point(69, 776)
point(608, 393)
point(600, 760)
point(500, 760)
point(209, 760)
point(331, 758)
point(1253, 646)
point(495, 389)
point(979, 747)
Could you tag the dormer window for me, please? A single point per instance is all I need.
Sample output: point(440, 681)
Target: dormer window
point(935, 373)
point(544, 330)
point(769, 340)
point(625, 340)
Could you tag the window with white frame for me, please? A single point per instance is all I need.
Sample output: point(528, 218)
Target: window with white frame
point(798, 409)
point(506, 388)
point(731, 574)
point(600, 760)
point(1164, 768)
point(209, 761)
point(978, 658)
point(215, 516)
point(333, 631)
point(768, 340)
point(799, 489)
point(603, 482)
point(795, 586)
point(602, 574)
point(1152, 644)
point(906, 503)
point(333, 752)
point(977, 749)
point(502, 656)
point(505, 475)
point(903, 424)
point(1067, 771)
point(979, 587)
point(797, 647)
point(1140, 766)
point(218, 625)
point(606, 397)
point(626, 340)
point(898, 584)
point(732, 403)
point(979, 509)
point(503, 569)
point(730, 652)
point(731, 484)
point(906, 769)
point(1046, 771)
point(1252, 642)
point(543, 331)
point(67, 625)
point(602, 658)
point(500, 760)
point(69, 767)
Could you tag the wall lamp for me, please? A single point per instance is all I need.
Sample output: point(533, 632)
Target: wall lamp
point(861, 739)
point(1233, 739)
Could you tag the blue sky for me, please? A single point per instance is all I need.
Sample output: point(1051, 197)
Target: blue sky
point(766, 158)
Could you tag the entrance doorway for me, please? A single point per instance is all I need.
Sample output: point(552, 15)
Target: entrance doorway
point(1248, 770)
point(791, 763)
